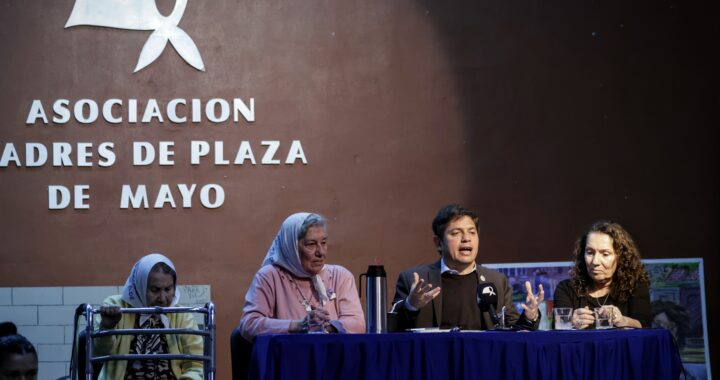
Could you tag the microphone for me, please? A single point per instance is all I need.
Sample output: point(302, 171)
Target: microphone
point(487, 299)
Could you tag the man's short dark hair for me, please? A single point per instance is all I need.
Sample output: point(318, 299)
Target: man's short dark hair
point(448, 214)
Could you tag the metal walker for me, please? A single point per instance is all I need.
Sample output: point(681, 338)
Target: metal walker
point(208, 333)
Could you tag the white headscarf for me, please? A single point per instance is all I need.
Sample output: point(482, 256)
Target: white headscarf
point(284, 253)
point(135, 290)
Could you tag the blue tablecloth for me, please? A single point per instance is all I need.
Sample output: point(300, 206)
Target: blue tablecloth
point(610, 354)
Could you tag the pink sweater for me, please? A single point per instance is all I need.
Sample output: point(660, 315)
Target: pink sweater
point(273, 301)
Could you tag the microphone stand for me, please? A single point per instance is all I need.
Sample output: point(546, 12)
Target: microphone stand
point(499, 320)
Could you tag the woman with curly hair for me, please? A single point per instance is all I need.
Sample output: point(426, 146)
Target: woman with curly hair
point(607, 271)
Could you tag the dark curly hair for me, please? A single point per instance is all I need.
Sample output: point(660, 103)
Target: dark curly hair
point(630, 271)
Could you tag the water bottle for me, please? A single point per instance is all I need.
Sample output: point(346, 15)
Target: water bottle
point(375, 299)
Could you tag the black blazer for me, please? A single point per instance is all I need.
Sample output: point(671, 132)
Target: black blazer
point(431, 314)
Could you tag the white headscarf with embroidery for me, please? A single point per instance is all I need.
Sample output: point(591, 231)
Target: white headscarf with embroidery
point(135, 290)
point(284, 252)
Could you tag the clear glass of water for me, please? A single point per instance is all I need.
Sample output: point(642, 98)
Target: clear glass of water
point(603, 317)
point(562, 316)
point(315, 324)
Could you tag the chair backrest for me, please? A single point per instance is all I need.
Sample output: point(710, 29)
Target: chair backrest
point(240, 352)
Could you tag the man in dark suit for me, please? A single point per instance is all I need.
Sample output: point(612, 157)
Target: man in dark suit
point(419, 302)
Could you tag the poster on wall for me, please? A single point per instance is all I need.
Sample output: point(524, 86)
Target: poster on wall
point(677, 300)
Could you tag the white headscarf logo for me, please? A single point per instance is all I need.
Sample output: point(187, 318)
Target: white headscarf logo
point(140, 15)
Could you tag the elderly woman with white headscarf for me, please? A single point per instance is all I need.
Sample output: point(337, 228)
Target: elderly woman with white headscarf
point(152, 282)
point(295, 286)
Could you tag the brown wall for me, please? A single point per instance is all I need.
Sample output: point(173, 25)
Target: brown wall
point(542, 117)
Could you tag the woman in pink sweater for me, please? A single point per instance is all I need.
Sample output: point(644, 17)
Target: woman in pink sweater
point(295, 287)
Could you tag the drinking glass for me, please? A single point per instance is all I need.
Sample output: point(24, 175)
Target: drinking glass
point(603, 317)
point(563, 316)
point(315, 324)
